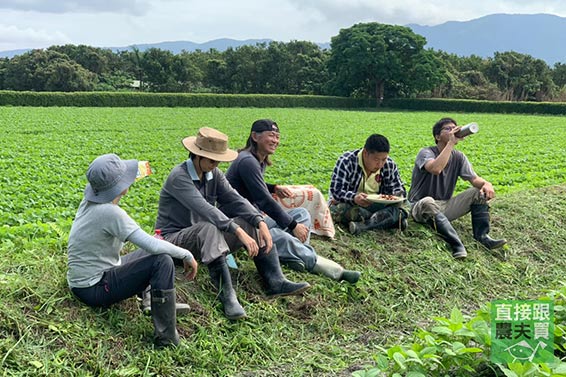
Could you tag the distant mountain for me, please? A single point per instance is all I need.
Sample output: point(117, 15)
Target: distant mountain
point(539, 35)
point(177, 46)
point(11, 53)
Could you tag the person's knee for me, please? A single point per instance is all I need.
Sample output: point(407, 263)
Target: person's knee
point(302, 216)
point(164, 262)
point(425, 209)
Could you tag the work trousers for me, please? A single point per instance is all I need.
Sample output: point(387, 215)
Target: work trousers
point(138, 270)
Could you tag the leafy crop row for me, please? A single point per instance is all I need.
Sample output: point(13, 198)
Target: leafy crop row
point(45, 151)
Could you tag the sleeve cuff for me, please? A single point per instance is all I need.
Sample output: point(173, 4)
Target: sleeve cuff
point(258, 219)
point(292, 225)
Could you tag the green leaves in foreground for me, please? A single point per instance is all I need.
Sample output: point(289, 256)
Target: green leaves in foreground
point(460, 346)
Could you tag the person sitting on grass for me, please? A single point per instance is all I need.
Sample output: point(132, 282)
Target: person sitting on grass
point(97, 274)
point(364, 172)
point(435, 174)
point(290, 230)
point(199, 210)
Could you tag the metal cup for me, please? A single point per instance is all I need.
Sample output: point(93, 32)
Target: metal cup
point(468, 129)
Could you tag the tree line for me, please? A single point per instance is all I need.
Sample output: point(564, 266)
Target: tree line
point(367, 60)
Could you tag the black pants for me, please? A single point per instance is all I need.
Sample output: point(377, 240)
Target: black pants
point(138, 270)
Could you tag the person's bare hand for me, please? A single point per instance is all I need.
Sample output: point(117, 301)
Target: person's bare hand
point(487, 191)
point(301, 231)
point(190, 268)
point(248, 242)
point(265, 237)
point(283, 192)
point(361, 200)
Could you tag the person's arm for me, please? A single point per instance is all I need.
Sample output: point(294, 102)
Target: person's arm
point(231, 203)
point(157, 246)
point(392, 184)
point(437, 165)
point(485, 187)
point(342, 187)
point(185, 192)
point(251, 176)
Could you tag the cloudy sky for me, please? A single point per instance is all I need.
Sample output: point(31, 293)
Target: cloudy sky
point(115, 23)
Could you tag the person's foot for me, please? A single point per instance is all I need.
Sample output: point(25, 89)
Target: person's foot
point(288, 288)
point(350, 276)
point(460, 254)
point(354, 228)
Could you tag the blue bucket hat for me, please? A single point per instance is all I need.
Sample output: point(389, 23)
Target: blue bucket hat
point(108, 176)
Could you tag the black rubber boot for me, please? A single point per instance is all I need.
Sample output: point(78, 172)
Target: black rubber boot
point(145, 304)
point(442, 225)
point(276, 283)
point(220, 276)
point(480, 226)
point(164, 317)
point(387, 218)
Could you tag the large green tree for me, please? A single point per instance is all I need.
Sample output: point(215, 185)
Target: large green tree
point(47, 70)
point(368, 57)
point(521, 77)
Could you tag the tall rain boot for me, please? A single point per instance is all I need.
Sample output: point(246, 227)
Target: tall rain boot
point(276, 283)
point(442, 225)
point(387, 218)
point(480, 227)
point(222, 280)
point(181, 309)
point(334, 271)
point(164, 317)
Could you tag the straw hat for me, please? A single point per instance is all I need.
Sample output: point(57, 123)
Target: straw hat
point(211, 144)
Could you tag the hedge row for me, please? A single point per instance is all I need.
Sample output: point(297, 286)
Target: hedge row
point(129, 99)
point(555, 108)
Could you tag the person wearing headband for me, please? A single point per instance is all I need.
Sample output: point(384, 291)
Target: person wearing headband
point(290, 230)
point(97, 274)
point(199, 210)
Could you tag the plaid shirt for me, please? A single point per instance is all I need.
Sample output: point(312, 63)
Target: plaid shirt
point(348, 174)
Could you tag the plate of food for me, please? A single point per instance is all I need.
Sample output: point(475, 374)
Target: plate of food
point(385, 199)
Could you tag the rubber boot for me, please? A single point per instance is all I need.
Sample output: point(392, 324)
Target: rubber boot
point(442, 225)
point(387, 218)
point(181, 309)
point(222, 280)
point(334, 271)
point(164, 317)
point(276, 283)
point(480, 227)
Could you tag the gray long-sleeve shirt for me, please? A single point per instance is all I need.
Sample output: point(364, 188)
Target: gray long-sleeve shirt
point(185, 200)
point(96, 238)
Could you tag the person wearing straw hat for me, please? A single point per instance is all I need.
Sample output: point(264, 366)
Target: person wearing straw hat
point(200, 211)
point(290, 230)
point(97, 274)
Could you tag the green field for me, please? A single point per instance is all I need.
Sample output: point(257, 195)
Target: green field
point(335, 329)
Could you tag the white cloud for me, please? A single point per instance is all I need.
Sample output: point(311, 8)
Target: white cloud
point(13, 38)
point(77, 6)
point(113, 23)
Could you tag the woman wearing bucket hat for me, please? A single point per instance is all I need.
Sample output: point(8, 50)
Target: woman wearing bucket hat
point(199, 210)
point(97, 274)
point(290, 230)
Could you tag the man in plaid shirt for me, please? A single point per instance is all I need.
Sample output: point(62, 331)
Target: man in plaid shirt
point(359, 173)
